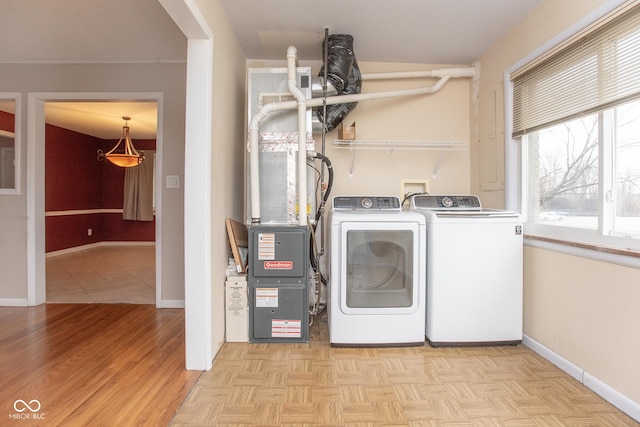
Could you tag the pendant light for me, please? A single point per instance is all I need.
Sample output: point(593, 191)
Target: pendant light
point(126, 156)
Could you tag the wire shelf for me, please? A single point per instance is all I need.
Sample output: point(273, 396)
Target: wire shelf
point(400, 145)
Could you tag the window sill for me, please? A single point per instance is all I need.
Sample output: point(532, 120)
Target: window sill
point(591, 247)
point(626, 257)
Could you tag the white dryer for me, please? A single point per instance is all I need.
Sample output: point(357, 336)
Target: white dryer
point(376, 273)
point(474, 271)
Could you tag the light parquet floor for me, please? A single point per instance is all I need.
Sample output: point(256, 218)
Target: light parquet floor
point(315, 384)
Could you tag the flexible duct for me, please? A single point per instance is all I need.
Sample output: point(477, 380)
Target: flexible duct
point(343, 74)
point(339, 61)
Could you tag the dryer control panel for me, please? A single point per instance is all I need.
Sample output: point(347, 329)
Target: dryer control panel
point(366, 203)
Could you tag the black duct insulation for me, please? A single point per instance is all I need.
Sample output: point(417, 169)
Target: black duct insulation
point(344, 74)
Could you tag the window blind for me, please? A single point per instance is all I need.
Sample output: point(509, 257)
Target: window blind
point(599, 70)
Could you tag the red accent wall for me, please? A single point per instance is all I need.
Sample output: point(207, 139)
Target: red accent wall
point(76, 180)
point(63, 232)
point(118, 230)
point(7, 121)
point(73, 175)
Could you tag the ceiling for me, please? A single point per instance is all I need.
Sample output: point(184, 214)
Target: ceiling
point(416, 31)
point(103, 119)
point(97, 31)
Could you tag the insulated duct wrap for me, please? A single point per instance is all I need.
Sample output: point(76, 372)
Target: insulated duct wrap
point(343, 74)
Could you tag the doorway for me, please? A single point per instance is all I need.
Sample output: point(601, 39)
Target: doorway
point(94, 254)
point(38, 261)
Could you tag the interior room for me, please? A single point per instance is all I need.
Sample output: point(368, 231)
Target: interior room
point(113, 261)
point(436, 92)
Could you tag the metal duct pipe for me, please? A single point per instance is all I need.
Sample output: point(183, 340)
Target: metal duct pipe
point(254, 124)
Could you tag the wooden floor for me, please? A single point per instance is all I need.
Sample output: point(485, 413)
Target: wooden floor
point(92, 365)
point(104, 274)
point(316, 384)
point(123, 365)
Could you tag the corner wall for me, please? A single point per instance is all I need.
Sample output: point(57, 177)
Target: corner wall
point(578, 308)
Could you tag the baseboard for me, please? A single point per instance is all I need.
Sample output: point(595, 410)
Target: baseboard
point(608, 393)
point(96, 245)
point(128, 243)
point(613, 396)
point(13, 302)
point(72, 250)
point(172, 303)
point(562, 363)
point(22, 302)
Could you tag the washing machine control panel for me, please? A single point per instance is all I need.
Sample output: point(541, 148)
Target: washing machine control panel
point(366, 203)
point(445, 202)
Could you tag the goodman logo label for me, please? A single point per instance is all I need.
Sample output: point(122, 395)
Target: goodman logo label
point(278, 265)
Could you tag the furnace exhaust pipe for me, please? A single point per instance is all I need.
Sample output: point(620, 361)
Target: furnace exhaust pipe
point(292, 53)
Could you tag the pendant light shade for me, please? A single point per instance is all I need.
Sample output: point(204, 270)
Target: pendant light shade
point(124, 154)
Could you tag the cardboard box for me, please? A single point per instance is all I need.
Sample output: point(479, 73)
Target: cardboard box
point(347, 132)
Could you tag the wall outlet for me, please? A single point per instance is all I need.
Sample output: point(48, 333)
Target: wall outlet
point(89, 231)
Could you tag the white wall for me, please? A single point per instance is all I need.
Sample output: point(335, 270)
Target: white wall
point(443, 116)
point(586, 311)
point(583, 310)
point(228, 137)
point(70, 78)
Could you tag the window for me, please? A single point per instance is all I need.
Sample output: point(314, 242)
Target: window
point(577, 116)
point(9, 144)
point(585, 173)
point(626, 192)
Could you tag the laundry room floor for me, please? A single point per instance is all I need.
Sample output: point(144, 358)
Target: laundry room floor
point(295, 384)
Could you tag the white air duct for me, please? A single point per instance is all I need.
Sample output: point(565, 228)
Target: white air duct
point(441, 72)
point(302, 104)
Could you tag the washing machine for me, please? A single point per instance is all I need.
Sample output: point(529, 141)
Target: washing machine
point(474, 271)
point(376, 273)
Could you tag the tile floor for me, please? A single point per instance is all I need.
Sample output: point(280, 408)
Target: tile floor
point(106, 274)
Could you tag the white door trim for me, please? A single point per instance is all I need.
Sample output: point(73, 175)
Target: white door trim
point(36, 274)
